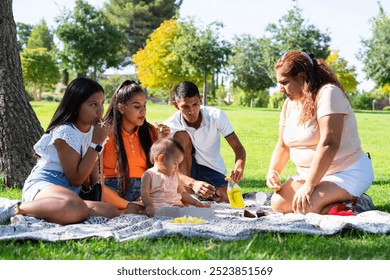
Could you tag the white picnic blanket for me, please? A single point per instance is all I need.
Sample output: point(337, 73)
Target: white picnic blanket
point(228, 224)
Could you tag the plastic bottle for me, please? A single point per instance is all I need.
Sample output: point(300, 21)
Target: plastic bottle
point(234, 194)
point(260, 199)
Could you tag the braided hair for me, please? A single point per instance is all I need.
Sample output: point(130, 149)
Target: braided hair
point(125, 92)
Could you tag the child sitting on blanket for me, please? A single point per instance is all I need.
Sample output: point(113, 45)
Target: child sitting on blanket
point(162, 184)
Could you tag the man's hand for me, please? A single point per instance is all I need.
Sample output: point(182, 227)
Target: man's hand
point(203, 189)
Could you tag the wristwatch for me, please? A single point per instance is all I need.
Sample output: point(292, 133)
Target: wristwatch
point(96, 147)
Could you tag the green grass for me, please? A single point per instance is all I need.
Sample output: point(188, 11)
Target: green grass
point(257, 130)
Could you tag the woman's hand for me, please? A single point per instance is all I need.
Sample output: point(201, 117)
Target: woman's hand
point(163, 131)
point(273, 180)
point(301, 201)
point(150, 211)
point(100, 132)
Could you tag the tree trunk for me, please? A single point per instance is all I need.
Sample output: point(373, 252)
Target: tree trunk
point(19, 126)
point(205, 90)
point(65, 77)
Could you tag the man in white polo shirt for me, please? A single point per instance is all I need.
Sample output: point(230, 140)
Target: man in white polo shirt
point(198, 129)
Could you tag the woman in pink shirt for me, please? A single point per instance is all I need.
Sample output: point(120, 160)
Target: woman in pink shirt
point(318, 133)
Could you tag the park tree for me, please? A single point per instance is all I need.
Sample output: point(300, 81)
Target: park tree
point(248, 69)
point(203, 51)
point(90, 41)
point(41, 37)
point(346, 74)
point(375, 53)
point(293, 33)
point(138, 19)
point(19, 126)
point(157, 65)
point(40, 71)
point(23, 33)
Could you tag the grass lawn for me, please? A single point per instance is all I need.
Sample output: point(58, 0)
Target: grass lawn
point(257, 130)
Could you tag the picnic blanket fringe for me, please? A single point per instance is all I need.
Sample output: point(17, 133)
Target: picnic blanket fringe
point(227, 225)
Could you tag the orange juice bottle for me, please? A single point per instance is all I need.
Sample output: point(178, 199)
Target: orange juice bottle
point(234, 194)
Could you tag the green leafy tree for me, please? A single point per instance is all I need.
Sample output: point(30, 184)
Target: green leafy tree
point(375, 53)
point(112, 82)
point(203, 51)
point(276, 100)
point(40, 71)
point(23, 33)
point(138, 19)
point(385, 89)
point(293, 33)
point(157, 65)
point(248, 70)
point(41, 37)
point(346, 74)
point(89, 40)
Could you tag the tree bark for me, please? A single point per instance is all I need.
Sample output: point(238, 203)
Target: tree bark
point(19, 126)
point(65, 77)
point(205, 101)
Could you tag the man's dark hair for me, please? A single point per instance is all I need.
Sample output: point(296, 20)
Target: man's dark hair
point(186, 89)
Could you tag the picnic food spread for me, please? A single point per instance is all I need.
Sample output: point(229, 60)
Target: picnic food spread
point(187, 220)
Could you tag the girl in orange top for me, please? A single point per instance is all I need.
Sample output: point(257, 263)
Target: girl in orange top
point(126, 153)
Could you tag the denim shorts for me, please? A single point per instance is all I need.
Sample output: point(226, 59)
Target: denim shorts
point(204, 173)
point(40, 178)
point(133, 189)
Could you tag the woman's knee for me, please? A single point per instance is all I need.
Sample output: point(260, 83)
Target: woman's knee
point(75, 210)
point(110, 211)
point(133, 208)
point(279, 204)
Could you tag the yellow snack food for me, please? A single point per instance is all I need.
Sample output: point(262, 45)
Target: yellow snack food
point(187, 220)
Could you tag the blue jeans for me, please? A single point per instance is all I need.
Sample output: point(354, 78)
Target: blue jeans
point(133, 189)
point(40, 178)
point(204, 173)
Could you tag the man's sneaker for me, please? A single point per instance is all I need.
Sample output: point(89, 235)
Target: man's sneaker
point(363, 203)
point(8, 209)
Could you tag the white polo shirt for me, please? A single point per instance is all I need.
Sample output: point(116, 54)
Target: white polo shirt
point(207, 138)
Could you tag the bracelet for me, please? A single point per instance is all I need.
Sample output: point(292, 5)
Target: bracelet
point(272, 171)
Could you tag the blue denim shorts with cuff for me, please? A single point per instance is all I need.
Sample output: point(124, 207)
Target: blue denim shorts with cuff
point(40, 178)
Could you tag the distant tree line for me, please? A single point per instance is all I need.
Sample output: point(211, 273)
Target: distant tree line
point(165, 50)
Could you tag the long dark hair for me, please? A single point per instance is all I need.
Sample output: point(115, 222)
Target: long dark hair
point(317, 72)
point(76, 93)
point(125, 92)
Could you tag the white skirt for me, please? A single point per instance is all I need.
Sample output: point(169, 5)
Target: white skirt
point(355, 179)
